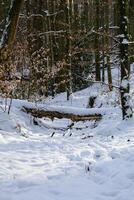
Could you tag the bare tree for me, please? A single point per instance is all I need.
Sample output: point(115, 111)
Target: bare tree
point(96, 45)
point(125, 66)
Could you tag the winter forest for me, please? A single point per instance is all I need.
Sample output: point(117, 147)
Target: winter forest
point(66, 99)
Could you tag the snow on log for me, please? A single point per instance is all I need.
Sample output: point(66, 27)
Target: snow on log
point(73, 114)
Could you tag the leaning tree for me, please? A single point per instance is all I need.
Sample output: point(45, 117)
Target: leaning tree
point(9, 31)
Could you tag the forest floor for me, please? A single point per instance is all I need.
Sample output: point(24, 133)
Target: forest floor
point(47, 161)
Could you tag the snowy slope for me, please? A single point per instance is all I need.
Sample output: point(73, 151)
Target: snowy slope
point(90, 161)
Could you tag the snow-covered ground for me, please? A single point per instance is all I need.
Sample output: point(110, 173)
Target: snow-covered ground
point(90, 161)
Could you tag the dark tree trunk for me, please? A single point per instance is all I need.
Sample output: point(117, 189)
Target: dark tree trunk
point(107, 11)
point(125, 66)
point(10, 26)
point(96, 45)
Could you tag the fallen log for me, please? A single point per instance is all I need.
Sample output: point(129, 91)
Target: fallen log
point(40, 113)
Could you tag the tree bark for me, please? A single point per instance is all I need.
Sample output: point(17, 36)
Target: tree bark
point(58, 114)
point(109, 74)
point(10, 28)
point(96, 44)
point(125, 66)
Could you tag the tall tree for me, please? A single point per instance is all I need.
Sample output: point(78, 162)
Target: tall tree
point(125, 66)
point(10, 26)
point(96, 45)
point(107, 12)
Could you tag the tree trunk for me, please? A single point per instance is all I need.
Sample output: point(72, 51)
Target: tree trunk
point(39, 113)
point(96, 44)
point(10, 28)
point(125, 66)
point(107, 2)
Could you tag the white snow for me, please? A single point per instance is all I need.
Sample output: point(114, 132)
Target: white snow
point(90, 161)
point(125, 41)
